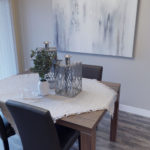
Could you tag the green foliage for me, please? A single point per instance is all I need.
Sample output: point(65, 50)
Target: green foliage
point(42, 62)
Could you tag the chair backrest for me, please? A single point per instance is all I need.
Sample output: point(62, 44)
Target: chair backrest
point(35, 126)
point(92, 72)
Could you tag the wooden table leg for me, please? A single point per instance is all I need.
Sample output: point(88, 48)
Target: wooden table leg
point(114, 122)
point(88, 140)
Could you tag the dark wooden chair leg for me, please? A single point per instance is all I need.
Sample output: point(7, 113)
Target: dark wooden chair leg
point(79, 141)
point(114, 121)
point(6, 145)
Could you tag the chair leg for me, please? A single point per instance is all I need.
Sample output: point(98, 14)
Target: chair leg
point(6, 145)
point(79, 141)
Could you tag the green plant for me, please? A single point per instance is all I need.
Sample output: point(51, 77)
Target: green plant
point(42, 62)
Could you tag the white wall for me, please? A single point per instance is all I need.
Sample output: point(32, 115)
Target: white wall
point(133, 74)
point(35, 25)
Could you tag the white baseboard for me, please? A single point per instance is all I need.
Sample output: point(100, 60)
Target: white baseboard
point(135, 110)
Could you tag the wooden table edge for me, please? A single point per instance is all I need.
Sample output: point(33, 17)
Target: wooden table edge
point(78, 127)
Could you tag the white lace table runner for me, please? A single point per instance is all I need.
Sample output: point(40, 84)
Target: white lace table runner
point(23, 88)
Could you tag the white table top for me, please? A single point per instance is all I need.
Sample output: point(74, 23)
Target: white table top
point(23, 88)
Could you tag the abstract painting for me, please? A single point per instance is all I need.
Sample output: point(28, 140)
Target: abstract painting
point(105, 27)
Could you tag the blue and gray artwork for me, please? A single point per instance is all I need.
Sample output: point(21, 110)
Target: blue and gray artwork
point(95, 26)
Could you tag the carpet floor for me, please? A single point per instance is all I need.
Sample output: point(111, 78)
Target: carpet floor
point(133, 134)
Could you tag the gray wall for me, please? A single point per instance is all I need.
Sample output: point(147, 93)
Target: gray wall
point(133, 74)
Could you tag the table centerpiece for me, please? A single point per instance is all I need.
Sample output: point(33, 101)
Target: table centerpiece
point(42, 61)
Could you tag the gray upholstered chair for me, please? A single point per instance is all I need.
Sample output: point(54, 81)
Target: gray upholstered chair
point(37, 130)
point(92, 72)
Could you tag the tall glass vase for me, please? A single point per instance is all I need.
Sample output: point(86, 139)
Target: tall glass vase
point(51, 77)
point(68, 78)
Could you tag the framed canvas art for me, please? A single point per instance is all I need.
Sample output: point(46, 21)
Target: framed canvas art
point(105, 27)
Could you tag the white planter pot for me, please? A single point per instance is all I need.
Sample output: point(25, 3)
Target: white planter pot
point(43, 88)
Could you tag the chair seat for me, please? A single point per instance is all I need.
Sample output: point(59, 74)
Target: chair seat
point(66, 136)
point(9, 130)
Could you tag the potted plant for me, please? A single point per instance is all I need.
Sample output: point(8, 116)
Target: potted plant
point(42, 64)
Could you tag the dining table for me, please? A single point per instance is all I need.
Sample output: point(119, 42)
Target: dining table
point(86, 122)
